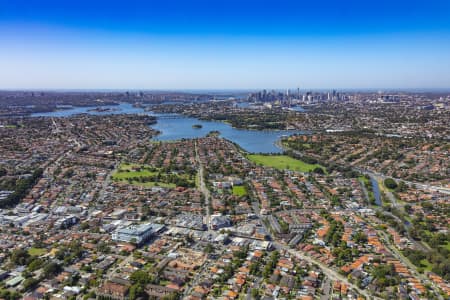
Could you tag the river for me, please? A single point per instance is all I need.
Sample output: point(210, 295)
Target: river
point(376, 190)
point(175, 127)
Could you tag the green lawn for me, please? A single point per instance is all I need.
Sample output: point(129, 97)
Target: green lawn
point(126, 171)
point(408, 218)
point(364, 179)
point(427, 266)
point(197, 179)
point(127, 166)
point(283, 162)
point(447, 246)
point(37, 251)
point(165, 282)
point(239, 190)
point(153, 184)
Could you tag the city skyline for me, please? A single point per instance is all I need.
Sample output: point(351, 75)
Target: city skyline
point(199, 45)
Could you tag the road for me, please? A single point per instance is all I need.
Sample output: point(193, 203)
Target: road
point(56, 126)
point(106, 182)
point(196, 280)
point(365, 191)
point(202, 186)
point(113, 272)
point(255, 285)
point(326, 288)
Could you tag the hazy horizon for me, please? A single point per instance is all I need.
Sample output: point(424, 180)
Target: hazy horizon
point(229, 90)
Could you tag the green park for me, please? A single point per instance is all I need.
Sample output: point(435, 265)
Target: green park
point(284, 162)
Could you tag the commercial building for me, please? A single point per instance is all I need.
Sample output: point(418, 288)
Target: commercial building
point(137, 234)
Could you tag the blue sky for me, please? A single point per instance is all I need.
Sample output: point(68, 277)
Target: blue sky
point(224, 44)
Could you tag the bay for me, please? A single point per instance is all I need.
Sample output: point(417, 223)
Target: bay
point(176, 127)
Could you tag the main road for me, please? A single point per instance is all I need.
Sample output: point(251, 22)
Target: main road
point(202, 186)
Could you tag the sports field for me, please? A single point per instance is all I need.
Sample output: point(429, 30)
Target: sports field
point(143, 174)
point(283, 162)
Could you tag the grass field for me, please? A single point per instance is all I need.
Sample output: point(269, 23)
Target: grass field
point(37, 251)
point(447, 246)
point(283, 162)
point(239, 190)
point(427, 265)
point(126, 171)
point(133, 172)
point(364, 179)
point(153, 184)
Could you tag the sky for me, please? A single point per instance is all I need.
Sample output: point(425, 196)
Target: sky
point(218, 44)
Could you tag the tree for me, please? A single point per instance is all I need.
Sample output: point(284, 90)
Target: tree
point(402, 187)
point(208, 248)
point(136, 290)
point(20, 257)
point(51, 269)
point(141, 277)
point(35, 264)
point(255, 294)
point(390, 183)
point(21, 189)
point(103, 248)
point(318, 170)
point(360, 237)
point(408, 208)
point(9, 295)
point(29, 283)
